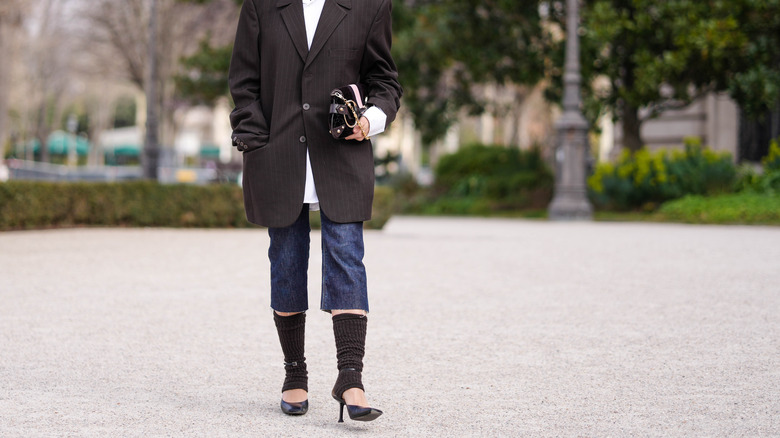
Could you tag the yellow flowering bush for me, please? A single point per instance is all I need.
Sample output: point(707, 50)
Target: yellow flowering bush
point(645, 179)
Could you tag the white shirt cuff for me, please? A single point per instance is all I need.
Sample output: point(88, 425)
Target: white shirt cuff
point(377, 120)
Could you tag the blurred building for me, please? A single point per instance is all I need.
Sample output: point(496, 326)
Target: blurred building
point(715, 119)
point(200, 138)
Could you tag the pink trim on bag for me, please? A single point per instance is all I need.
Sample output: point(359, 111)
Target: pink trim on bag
point(358, 97)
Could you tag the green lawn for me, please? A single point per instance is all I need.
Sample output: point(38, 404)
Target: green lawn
point(740, 208)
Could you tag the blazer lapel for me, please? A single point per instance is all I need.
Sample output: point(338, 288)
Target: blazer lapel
point(292, 15)
point(332, 13)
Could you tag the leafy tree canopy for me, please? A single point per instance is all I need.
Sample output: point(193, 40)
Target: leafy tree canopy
point(444, 49)
point(205, 73)
point(660, 55)
point(635, 54)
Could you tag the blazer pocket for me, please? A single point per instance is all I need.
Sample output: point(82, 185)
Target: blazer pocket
point(343, 53)
point(257, 146)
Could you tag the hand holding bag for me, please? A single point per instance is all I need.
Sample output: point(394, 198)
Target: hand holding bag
point(347, 105)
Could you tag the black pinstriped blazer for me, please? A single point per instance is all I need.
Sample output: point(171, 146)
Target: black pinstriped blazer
point(282, 94)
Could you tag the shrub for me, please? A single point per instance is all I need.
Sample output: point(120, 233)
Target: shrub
point(28, 204)
point(768, 181)
point(504, 177)
point(381, 211)
point(383, 208)
point(739, 208)
point(645, 179)
point(772, 160)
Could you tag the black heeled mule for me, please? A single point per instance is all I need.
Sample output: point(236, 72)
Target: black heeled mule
point(295, 408)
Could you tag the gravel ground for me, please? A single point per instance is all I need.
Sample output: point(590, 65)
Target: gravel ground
point(479, 327)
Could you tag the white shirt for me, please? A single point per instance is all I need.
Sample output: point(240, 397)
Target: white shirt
point(312, 9)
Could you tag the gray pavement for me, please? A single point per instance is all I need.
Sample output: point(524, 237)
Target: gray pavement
point(478, 328)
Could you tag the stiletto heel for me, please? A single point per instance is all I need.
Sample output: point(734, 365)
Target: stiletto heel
point(341, 412)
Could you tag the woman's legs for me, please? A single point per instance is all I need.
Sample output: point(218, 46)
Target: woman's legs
point(288, 253)
point(289, 256)
point(344, 292)
point(345, 296)
point(343, 273)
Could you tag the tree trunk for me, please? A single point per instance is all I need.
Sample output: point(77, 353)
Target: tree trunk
point(755, 134)
point(629, 112)
point(632, 127)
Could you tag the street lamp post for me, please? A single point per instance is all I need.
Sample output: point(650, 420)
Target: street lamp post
point(151, 151)
point(571, 199)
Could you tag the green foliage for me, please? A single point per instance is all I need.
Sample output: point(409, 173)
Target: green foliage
point(81, 114)
point(381, 211)
point(772, 161)
point(29, 205)
point(645, 180)
point(740, 208)
point(447, 206)
point(25, 204)
point(383, 208)
point(755, 78)
point(491, 172)
point(766, 182)
point(480, 180)
point(690, 46)
point(205, 77)
point(125, 112)
point(443, 49)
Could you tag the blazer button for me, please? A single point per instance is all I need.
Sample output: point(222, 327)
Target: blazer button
point(306, 106)
point(302, 139)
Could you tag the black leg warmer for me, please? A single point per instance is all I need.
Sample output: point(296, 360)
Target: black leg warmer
point(350, 333)
point(291, 331)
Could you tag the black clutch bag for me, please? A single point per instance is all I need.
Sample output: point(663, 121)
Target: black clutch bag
point(347, 105)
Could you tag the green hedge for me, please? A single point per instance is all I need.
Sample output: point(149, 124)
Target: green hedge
point(29, 205)
point(645, 179)
point(493, 172)
point(739, 208)
point(482, 180)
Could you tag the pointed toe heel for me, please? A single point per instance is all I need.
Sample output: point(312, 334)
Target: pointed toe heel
point(356, 413)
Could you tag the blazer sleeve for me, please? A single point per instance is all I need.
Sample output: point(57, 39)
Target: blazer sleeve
point(250, 127)
point(378, 70)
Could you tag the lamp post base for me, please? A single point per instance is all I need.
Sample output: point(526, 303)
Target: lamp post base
point(570, 205)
